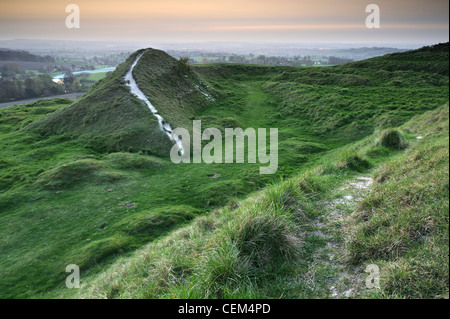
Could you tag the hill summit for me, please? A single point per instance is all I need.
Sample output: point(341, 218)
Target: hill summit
point(110, 118)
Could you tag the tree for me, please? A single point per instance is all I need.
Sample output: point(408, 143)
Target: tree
point(10, 68)
point(69, 78)
point(261, 59)
point(308, 62)
point(31, 88)
point(76, 86)
point(9, 90)
point(183, 63)
point(336, 60)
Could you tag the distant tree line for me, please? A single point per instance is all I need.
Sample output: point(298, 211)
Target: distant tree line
point(221, 57)
point(13, 55)
point(19, 81)
point(10, 69)
point(333, 60)
point(39, 86)
point(112, 59)
point(277, 60)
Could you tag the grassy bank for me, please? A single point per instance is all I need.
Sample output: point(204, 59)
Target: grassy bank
point(266, 246)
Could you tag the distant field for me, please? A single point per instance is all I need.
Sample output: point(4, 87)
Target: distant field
point(72, 96)
point(30, 65)
point(90, 79)
point(204, 60)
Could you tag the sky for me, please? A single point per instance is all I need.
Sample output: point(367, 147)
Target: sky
point(257, 21)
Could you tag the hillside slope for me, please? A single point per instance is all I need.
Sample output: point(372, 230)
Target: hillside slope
point(347, 102)
point(426, 60)
point(175, 90)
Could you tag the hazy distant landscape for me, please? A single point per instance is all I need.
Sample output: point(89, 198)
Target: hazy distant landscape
point(29, 74)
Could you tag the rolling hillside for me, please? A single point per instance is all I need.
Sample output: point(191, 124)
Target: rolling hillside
point(90, 183)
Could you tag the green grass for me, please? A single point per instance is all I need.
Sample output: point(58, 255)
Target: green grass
point(90, 79)
point(252, 248)
point(89, 183)
point(392, 139)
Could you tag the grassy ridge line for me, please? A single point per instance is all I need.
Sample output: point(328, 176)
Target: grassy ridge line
point(344, 103)
point(172, 87)
point(344, 98)
point(415, 60)
point(249, 249)
point(110, 119)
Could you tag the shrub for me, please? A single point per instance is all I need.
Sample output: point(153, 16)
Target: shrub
point(183, 62)
point(67, 175)
point(354, 163)
point(134, 161)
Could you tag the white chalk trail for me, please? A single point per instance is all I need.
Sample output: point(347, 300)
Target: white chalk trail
point(163, 124)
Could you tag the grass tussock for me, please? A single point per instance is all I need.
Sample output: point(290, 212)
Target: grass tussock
point(69, 174)
point(354, 162)
point(258, 244)
point(134, 161)
point(392, 139)
point(231, 253)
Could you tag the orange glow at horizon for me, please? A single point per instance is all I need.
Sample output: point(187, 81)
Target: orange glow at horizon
point(203, 9)
point(316, 27)
point(232, 19)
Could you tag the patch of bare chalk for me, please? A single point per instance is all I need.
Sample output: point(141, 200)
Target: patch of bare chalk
point(350, 281)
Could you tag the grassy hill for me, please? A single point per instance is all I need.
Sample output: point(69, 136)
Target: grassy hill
point(110, 119)
point(89, 183)
point(279, 242)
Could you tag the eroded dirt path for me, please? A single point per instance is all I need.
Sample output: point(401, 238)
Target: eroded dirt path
point(136, 91)
point(343, 282)
point(350, 283)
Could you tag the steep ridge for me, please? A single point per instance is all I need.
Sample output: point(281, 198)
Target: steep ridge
point(111, 118)
point(173, 87)
point(163, 125)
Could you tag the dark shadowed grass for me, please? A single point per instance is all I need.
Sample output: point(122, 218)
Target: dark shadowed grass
point(392, 139)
